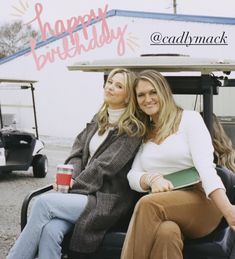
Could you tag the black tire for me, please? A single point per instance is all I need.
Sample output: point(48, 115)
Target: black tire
point(40, 166)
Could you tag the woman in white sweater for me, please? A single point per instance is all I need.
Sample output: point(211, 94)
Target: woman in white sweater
point(175, 139)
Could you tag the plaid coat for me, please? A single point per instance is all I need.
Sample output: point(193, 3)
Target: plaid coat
point(104, 180)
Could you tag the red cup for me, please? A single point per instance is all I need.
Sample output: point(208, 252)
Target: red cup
point(63, 177)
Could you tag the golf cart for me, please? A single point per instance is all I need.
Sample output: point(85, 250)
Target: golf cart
point(22, 149)
point(205, 83)
point(187, 76)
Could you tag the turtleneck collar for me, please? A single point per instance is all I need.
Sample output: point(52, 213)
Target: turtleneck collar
point(114, 115)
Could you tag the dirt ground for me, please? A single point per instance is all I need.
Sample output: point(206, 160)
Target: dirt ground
point(13, 189)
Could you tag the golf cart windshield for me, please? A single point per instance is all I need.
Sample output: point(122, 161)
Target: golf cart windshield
point(17, 105)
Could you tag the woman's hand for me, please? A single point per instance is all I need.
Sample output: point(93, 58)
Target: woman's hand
point(222, 202)
point(161, 185)
point(71, 183)
point(230, 216)
point(155, 182)
point(55, 186)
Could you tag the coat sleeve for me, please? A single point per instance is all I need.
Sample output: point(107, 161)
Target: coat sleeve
point(115, 156)
point(76, 154)
point(75, 157)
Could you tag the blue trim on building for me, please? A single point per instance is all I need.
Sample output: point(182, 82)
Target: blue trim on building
point(177, 17)
point(134, 14)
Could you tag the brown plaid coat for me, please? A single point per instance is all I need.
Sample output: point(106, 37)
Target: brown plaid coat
point(104, 180)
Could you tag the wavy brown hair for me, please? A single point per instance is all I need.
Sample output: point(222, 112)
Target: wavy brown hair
point(128, 122)
point(223, 149)
point(169, 115)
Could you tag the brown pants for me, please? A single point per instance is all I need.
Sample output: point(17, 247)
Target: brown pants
point(161, 220)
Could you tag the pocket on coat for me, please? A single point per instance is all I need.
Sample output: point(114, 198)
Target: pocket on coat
point(107, 211)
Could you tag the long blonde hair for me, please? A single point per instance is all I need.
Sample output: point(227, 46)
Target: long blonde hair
point(128, 122)
point(223, 149)
point(169, 114)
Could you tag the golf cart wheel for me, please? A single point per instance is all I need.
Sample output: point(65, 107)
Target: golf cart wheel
point(40, 166)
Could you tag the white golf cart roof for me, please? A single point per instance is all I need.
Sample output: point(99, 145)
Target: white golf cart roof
point(168, 63)
point(16, 81)
point(206, 83)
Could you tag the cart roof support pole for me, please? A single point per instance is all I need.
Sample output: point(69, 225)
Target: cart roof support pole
point(1, 116)
point(34, 111)
point(208, 102)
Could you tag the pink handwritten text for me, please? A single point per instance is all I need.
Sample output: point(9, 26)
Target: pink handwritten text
point(93, 37)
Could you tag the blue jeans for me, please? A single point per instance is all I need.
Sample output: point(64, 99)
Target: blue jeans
point(52, 216)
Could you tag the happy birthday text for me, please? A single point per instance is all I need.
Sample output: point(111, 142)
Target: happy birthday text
point(78, 35)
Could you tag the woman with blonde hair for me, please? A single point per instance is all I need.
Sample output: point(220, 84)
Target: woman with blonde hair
point(224, 152)
point(175, 140)
point(102, 155)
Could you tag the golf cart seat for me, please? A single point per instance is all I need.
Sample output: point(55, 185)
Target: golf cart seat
point(19, 147)
point(217, 245)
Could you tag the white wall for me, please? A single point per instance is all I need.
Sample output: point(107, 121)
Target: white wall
point(67, 100)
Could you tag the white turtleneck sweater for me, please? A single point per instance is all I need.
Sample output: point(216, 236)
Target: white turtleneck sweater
point(97, 140)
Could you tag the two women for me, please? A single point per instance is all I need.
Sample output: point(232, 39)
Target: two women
point(102, 155)
point(175, 139)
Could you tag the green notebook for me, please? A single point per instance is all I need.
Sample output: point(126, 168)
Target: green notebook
point(184, 177)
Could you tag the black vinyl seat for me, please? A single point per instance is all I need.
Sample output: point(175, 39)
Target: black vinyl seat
point(19, 148)
point(220, 244)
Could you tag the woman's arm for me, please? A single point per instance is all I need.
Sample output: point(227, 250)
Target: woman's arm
point(75, 157)
point(222, 202)
point(142, 181)
point(202, 151)
point(137, 175)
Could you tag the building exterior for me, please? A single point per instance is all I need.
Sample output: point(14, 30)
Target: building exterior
point(66, 100)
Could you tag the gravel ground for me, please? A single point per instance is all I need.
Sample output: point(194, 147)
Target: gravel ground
point(13, 189)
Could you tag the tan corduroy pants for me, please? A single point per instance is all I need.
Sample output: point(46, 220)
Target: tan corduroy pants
point(160, 222)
